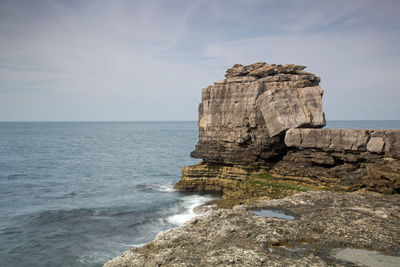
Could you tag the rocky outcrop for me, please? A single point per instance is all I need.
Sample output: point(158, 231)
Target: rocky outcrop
point(343, 159)
point(211, 177)
point(243, 118)
point(264, 116)
point(382, 142)
point(325, 222)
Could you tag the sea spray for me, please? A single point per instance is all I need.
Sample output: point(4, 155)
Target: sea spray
point(187, 204)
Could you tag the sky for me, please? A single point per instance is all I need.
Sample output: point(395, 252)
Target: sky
point(120, 60)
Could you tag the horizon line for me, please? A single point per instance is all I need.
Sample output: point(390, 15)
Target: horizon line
point(2, 121)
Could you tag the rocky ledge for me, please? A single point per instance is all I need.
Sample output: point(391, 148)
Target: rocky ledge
point(324, 224)
point(343, 159)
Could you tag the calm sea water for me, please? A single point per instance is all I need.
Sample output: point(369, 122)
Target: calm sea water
point(80, 193)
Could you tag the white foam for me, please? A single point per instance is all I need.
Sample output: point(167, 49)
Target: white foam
point(156, 187)
point(94, 257)
point(188, 202)
point(134, 245)
point(96, 212)
point(165, 188)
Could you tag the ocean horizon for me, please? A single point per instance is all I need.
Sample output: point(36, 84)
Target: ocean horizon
point(346, 124)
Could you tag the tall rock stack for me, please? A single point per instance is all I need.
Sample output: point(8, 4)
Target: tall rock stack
point(243, 118)
point(254, 120)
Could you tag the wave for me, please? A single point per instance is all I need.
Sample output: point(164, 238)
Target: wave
point(94, 258)
point(79, 234)
point(16, 176)
point(57, 195)
point(110, 220)
point(75, 220)
point(186, 206)
point(155, 187)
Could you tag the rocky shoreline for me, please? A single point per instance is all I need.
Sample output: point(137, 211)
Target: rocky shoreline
point(325, 223)
point(262, 146)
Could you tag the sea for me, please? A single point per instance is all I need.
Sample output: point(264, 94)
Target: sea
point(81, 193)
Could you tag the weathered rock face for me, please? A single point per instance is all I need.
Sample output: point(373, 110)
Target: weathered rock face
point(210, 177)
point(384, 142)
point(242, 119)
point(344, 159)
point(340, 159)
point(324, 222)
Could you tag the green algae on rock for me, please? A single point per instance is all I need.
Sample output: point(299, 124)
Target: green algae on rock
point(239, 185)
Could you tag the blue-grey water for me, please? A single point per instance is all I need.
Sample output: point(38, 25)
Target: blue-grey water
point(273, 213)
point(80, 193)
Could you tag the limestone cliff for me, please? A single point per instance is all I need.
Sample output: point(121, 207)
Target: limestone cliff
point(243, 118)
point(262, 118)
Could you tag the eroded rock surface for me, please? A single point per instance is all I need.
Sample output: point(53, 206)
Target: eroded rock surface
point(344, 159)
point(386, 142)
point(242, 119)
point(325, 221)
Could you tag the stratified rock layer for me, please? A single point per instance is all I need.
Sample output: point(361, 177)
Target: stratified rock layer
point(236, 237)
point(242, 119)
point(343, 159)
point(382, 142)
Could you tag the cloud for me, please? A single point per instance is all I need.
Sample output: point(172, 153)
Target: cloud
point(358, 70)
point(136, 60)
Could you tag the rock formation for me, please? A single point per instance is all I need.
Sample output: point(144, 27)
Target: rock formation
point(344, 159)
point(263, 117)
point(242, 119)
point(326, 222)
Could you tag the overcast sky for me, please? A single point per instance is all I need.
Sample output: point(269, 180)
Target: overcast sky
point(148, 60)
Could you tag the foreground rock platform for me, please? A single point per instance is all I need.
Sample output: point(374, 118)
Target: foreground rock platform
point(325, 222)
